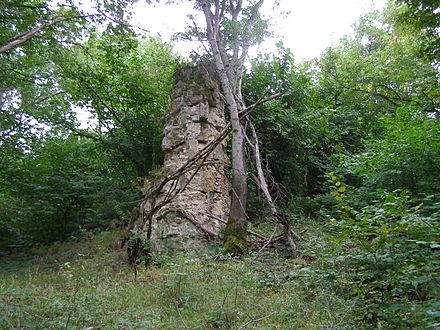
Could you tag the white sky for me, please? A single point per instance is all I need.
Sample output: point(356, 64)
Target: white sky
point(311, 26)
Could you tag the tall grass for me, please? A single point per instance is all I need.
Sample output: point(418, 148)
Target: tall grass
point(86, 283)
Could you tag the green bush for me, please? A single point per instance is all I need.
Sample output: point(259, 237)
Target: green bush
point(56, 189)
point(392, 258)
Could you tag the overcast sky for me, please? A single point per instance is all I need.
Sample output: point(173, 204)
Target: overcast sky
point(311, 26)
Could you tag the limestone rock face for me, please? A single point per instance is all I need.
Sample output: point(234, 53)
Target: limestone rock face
point(195, 118)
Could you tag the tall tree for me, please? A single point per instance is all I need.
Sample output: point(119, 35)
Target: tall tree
point(44, 78)
point(124, 83)
point(232, 27)
point(32, 34)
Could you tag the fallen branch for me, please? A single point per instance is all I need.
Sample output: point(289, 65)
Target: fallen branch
point(250, 232)
point(269, 240)
point(281, 218)
point(208, 233)
point(255, 321)
point(302, 232)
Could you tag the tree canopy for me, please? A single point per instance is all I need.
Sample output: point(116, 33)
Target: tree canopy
point(348, 142)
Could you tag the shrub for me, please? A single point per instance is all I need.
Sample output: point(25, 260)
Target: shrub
point(391, 264)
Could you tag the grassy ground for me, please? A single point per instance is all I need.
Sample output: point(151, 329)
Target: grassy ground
point(85, 283)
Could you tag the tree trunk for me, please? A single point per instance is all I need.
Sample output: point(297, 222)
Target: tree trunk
point(236, 229)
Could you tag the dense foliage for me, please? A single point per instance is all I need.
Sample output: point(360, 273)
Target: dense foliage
point(353, 144)
point(367, 110)
point(57, 173)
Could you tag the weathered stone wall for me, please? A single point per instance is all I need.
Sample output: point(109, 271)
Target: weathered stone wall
point(196, 117)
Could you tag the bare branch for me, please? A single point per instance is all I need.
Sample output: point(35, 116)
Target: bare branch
point(255, 321)
point(250, 108)
point(269, 240)
point(250, 232)
point(191, 217)
point(22, 38)
point(281, 218)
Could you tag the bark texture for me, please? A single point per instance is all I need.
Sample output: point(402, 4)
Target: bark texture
point(230, 74)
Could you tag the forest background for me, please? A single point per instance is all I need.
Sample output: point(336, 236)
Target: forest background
point(352, 146)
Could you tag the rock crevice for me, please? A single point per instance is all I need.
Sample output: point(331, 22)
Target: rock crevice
point(195, 118)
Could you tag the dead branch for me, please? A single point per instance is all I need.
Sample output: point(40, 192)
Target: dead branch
point(255, 321)
point(302, 232)
point(269, 240)
point(250, 232)
point(171, 193)
point(280, 217)
point(191, 217)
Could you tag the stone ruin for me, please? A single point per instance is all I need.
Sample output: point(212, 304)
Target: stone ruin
point(195, 118)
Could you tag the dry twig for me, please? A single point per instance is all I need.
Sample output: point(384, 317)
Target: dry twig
point(255, 321)
point(280, 217)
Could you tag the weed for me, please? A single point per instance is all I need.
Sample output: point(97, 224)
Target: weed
point(79, 288)
point(391, 263)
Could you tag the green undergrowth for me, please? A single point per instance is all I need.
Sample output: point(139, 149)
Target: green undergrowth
point(87, 283)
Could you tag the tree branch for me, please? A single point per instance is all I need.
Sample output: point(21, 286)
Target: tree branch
point(255, 321)
point(250, 232)
point(22, 38)
point(396, 101)
point(208, 233)
point(280, 217)
point(8, 4)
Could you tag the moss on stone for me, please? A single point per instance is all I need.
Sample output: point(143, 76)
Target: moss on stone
point(158, 174)
point(153, 178)
point(201, 80)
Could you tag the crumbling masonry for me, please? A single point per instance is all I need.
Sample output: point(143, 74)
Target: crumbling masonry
point(200, 209)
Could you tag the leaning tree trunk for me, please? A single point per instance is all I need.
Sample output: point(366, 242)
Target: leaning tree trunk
point(236, 230)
